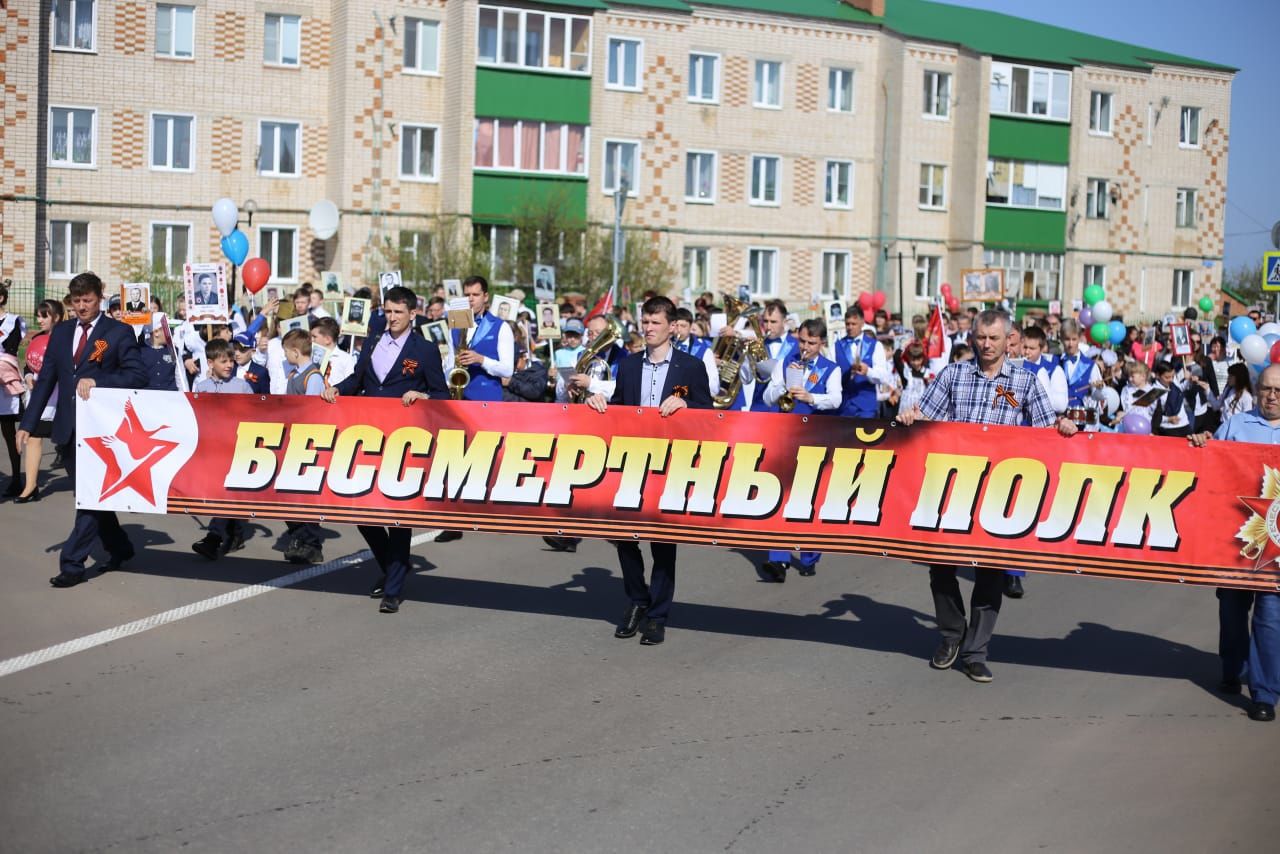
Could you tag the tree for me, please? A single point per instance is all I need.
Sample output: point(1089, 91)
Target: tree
point(167, 288)
point(427, 258)
point(1246, 281)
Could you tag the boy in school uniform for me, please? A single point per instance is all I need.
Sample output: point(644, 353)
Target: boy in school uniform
point(340, 365)
point(224, 535)
point(304, 377)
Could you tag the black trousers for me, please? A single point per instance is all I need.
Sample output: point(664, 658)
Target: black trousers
point(390, 547)
point(660, 590)
point(90, 525)
point(984, 608)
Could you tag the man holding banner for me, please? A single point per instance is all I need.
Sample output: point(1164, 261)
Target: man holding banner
point(987, 390)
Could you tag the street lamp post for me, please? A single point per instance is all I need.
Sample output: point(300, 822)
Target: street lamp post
point(249, 207)
point(619, 247)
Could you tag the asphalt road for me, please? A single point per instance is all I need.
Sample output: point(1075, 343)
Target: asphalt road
point(496, 712)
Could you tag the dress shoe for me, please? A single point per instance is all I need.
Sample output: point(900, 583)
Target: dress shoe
point(978, 671)
point(114, 562)
point(775, 570)
point(448, 536)
point(808, 570)
point(1013, 587)
point(561, 544)
point(303, 554)
point(67, 579)
point(209, 548)
point(655, 632)
point(27, 499)
point(376, 591)
point(390, 605)
point(1229, 686)
point(631, 621)
point(1262, 712)
point(945, 655)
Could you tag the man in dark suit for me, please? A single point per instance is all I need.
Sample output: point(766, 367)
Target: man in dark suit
point(671, 380)
point(87, 351)
point(394, 363)
point(206, 291)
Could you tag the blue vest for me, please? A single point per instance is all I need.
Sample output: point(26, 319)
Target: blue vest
point(782, 349)
point(695, 347)
point(859, 399)
point(1077, 379)
point(484, 340)
point(816, 379)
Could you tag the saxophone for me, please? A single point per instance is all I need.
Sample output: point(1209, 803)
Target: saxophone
point(590, 363)
point(459, 377)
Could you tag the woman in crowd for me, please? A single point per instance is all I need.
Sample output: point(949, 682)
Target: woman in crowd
point(1237, 396)
point(48, 314)
point(13, 329)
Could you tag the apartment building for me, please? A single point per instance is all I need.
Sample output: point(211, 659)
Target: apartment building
point(800, 147)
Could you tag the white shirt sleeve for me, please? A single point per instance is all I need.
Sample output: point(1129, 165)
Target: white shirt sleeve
point(777, 385)
point(832, 397)
point(341, 366)
point(713, 373)
point(275, 366)
point(604, 387)
point(1055, 386)
point(880, 371)
point(504, 365)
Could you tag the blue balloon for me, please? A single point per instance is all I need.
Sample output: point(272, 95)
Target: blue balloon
point(1241, 328)
point(236, 247)
point(1118, 332)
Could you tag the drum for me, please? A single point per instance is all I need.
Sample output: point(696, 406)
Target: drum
point(1080, 416)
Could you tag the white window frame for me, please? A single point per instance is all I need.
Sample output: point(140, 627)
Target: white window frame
point(541, 130)
point(828, 201)
point(932, 190)
point(716, 59)
point(928, 271)
point(1189, 132)
point(172, 10)
point(434, 177)
point(69, 227)
point(621, 85)
point(1184, 215)
point(1183, 278)
point(839, 73)
point(633, 188)
point(773, 270)
point(1100, 102)
point(151, 149)
point(937, 95)
point(522, 17)
point(419, 23)
point(93, 138)
point(1007, 69)
point(1098, 277)
point(281, 17)
point(276, 160)
point(1097, 200)
point(756, 89)
point(53, 28)
point(1045, 269)
point(701, 258)
point(761, 161)
point(842, 291)
point(1009, 203)
point(168, 245)
point(273, 257)
point(715, 176)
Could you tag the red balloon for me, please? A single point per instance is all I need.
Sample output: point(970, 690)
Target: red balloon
point(1275, 353)
point(878, 299)
point(953, 304)
point(945, 290)
point(256, 273)
point(864, 301)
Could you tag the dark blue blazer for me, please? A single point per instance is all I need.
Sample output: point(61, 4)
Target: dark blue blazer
point(427, 376)
point(684, 370)
point(120, 365)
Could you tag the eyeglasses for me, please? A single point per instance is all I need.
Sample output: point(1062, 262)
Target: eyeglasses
point(1268, 389)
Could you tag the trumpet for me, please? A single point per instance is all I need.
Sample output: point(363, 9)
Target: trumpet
point(459, 377)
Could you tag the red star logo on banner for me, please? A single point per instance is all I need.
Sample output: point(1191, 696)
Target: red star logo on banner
point(1270, 549)
point(129, 455)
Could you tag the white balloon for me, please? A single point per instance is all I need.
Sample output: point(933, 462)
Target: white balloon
point(1271, 328)
point(1102, 312)
point(324, 219)
point(225, 214)
point(1255, 350)
point(1111, 399)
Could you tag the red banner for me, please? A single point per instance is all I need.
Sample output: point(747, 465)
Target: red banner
point(1098, 504)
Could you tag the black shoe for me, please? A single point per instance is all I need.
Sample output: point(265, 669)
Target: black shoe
point(560, 544)
point(776, 570)
point(945, 655)
point(1013, 587)
point(448, 536)
point(376, 591)
point(67, 579)
point(114, 562)
point(210, 547)
point(390, 605)
point(1229, 686)
point(27, 499)
point(978, 671)
point(655, 632)
point(1262, 712)
point(808, 570)
point(303, 554)
point(58, 461)
point(234, 544)
point(631, 621)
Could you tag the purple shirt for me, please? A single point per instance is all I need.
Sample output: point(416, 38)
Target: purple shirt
point(387, 353)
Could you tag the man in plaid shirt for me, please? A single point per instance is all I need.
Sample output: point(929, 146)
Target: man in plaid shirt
point(987, 390)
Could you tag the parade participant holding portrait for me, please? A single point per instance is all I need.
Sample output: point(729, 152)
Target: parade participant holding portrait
point(305, 378)
point(48, 314)
point(864, 367)
point(487, 350)
point(338, 363)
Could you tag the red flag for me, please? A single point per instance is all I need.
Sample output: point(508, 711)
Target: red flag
point(933, 345)
point(604, 306)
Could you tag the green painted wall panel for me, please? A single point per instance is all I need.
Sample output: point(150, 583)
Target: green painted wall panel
point(1025, 230)
point(496, 198)
point(1028, 139)
point(526, 95)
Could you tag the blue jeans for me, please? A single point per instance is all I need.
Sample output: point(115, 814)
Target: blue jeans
point(807, 559)
point(1251, 656)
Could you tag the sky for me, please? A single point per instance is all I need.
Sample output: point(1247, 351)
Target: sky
point(1244, 34)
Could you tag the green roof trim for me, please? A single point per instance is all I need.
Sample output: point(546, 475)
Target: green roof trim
point(577, 4)
point(670, 5)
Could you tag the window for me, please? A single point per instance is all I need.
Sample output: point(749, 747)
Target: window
point(415, 257)
point(175, 31)
point(68, 247)
point(171, 137)
point(1189, 128)
point(928, 272)
point(74, 22)
point(700, 176)
point(278, 148)
point(278, 246)
point(1100, 112)
point(1186, 212)
point(170, 246)
point(532, 39)
point(937, 94)
point(73, 135)
point(1026, 91)
point(1095, 274)
point(626, 58)
point(421, 46)
point(697, 269)
point(933, 190)
point(704, 78)
point(1027, 275)
point(764, 180)
point(762, 271)
point(840, 90)
point(620, 160)
point(418, 152)
point(502, 242)
point(280, 39)
point(768, 84)
point(835, 274)
point(839, 190)
point(1015, 184)
point(526, 146)
point(1183, 283)
point(1095, 199)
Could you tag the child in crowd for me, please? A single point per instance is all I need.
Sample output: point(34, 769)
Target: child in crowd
point(304, 377)
point(224, 535)
point(1139, 383)
point(251, 361)
point(339, 365)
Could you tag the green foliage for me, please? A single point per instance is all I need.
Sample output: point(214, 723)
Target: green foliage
point(1246, 280)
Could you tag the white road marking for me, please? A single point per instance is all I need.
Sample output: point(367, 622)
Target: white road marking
point(62, 650)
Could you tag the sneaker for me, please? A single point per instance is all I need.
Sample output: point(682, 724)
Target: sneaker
point(945, 655)
point(978, 671)
point(209, 548)
point(234, 544)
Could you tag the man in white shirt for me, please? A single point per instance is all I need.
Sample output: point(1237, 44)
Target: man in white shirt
point(1045, 367)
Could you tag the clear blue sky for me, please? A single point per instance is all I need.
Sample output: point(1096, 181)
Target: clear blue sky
point(1244, 34)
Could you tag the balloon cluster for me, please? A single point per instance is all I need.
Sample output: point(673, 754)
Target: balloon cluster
point(235, 246)
point(1098, 317)
point(1259, 345)
point(870, 303)
point(953, 304)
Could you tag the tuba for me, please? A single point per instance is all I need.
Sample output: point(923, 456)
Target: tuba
point(459, 377)
point(590, 363)
point(735, 354)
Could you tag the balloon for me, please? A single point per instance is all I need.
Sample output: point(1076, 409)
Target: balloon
point(225, 214)
point(1275, 353)
point(953, 304)
point(945, 290)
point(864, 302)
point(1136, 424)
point(236, 247)
point(1266, 329)
point(1100, 333)
point(1255, 350)
point(1086, 317)
point(1111, 399)
point(1094, 294)
point(1118, 332)
point(1102, 312)
point(1241, 328)
point(1206, 304)
point(878, 299)
point(1271, 339)
point(256, 272)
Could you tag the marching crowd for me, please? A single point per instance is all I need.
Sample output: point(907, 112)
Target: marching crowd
point(971, 365)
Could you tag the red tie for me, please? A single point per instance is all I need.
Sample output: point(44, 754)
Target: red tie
point(84, 339)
